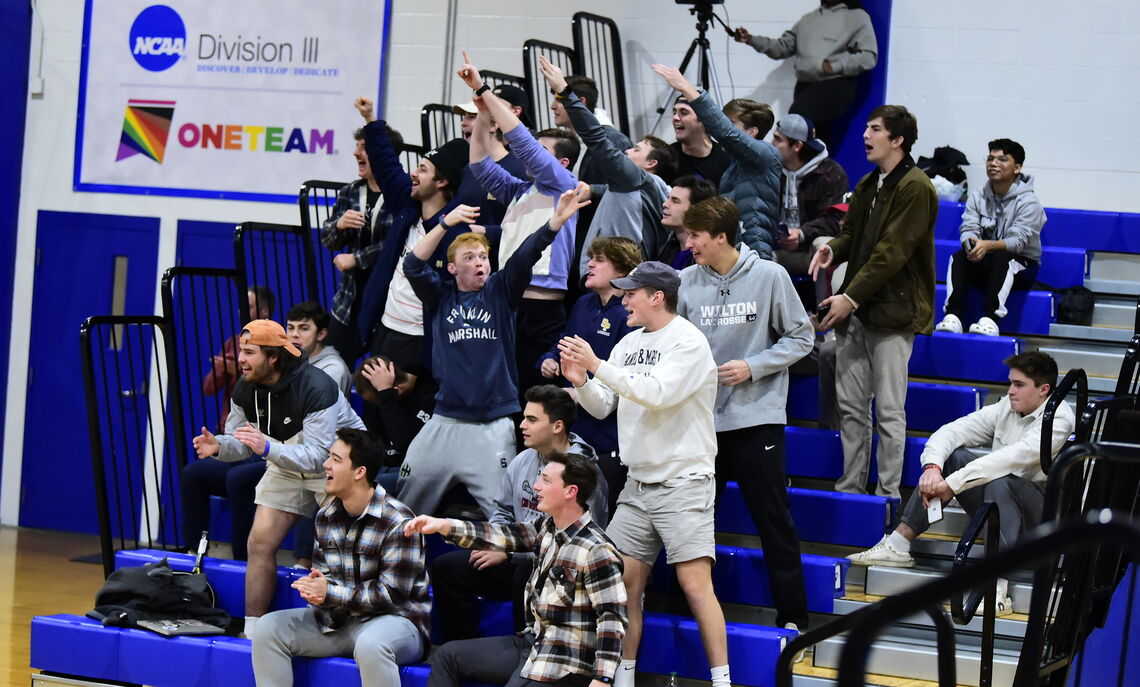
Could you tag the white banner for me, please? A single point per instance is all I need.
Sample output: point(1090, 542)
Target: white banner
point(242, 100)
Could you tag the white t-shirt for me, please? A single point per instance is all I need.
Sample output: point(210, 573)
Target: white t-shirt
point(403, 312)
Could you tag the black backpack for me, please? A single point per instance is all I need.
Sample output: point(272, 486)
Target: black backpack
point(1074, 303)
point(156, 592)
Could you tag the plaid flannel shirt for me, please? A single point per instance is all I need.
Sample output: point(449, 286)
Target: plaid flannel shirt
point(364, 243)
point(575, 598)
point(372, 568)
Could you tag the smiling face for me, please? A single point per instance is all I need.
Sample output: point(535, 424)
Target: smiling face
point(686, 126)
point(304, 335)
point(255, 366)
point(703, 246)
point(471, 267)
point(639, 304)
point(676, 204)
point(552, 493)
point(425, 182)
point(878, 143)
point(1025, 396)
point(362, 166)
point(340, 476)
point(1001, 168)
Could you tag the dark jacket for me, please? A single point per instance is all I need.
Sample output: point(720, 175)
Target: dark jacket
point(887, 241)
point(819, 189)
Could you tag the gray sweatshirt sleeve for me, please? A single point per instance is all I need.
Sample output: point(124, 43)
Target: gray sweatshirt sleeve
point(796, 333)
point(862, 50)
point(1024, 229)
point(317, 435)
point(971, 227)
point(776, 48)
point(230, 450)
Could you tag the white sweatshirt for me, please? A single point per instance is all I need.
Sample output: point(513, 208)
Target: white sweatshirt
point(1015, 443)
point(666, 383)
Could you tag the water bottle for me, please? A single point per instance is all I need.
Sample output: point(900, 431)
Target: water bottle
point(672, 679)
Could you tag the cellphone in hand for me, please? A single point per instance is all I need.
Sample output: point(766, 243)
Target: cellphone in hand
point(934, 511)
point(821, 312)
point(781, 231)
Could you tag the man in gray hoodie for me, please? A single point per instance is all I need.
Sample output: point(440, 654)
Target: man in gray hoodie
point(757, 328)
point(307, 325)
point(458, 577)
point(1001, 241)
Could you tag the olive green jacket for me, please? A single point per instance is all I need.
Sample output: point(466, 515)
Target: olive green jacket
point(887, 241)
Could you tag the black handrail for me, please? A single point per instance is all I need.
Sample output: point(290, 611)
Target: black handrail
point(1075, 376)
point(316, 201)
point(1129, 380)
point(598, 55)
point(963, 609)
point(438, 124)
point(276, 241)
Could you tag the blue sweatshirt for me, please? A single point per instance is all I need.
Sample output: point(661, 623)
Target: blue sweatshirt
point(473, 333)
point(602, 326)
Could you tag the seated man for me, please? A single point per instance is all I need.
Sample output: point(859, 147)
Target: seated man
point(368, 587)
point(224, 372)
point(458, 576)
point(811, 184)
point(697, 154)
point(287, 412)
point(470, 439)
point(752, 180)
point(1001, 241)
point(1010, 475)
point(575, 599)
point(307, 325)
point(687, 191)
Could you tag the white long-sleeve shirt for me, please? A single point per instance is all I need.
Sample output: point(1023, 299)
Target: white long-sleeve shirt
point(663, 385)
point(1015, 443)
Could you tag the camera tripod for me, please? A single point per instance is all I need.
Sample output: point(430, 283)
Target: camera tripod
point(699, 48)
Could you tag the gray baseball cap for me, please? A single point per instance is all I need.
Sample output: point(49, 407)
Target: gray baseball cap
point(653, 274)
point(799, 128)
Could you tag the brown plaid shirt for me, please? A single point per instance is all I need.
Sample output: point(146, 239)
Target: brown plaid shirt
point(575, 597)
point(372, 568)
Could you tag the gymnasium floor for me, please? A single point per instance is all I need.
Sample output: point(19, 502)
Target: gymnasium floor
point(37, 577)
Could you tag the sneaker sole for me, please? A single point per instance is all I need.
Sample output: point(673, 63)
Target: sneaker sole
point(885, 564)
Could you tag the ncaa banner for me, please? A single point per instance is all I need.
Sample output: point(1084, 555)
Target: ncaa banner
point(239, 100)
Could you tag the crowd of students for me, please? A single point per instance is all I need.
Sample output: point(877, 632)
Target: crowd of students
point(591, 343)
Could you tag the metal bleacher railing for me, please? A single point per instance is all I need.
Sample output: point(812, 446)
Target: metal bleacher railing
point(438, 124)
point(134, 444)
point(316, 202)
point(561, 56)
point(597, 50)
point(277, 256)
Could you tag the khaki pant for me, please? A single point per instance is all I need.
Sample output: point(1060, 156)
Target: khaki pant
point(872, 365)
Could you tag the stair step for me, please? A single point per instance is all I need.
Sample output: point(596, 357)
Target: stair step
point(1093, 333)
point(954, 522)
point(1119, 313)
point(1008, 626)
point(1117, 287)
point(1114, 266)
point(916, 657)
point(884, 581)
point(1103, 361)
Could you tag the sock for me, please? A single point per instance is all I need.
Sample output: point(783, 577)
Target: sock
point(250, 621)
point(898, 542)
point(625, 673)
point(720, 677)
point(1002, 587)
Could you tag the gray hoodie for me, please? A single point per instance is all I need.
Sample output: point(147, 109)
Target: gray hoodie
point(751, 314)
point(516, 500)
point(1015, 217)
point(330, 362)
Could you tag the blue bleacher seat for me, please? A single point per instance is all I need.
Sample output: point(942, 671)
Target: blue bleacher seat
point(928, 406)
point(1030, 312)
point(673, 644)
point(74, 645)
point(818, 454)
point(1060, 266)
point(962, 356)
point(1064, 227)
point(740, 577)
point(820, 516)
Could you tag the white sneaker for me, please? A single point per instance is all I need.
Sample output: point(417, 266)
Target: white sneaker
point(950, 323)
point(799, 654)
point(985, 327)
point(1004, 607)
point(882, 554)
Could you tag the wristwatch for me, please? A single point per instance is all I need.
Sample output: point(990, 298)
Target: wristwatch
point(482, 89)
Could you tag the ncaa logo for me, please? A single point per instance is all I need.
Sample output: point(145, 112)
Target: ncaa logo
point(158, 38)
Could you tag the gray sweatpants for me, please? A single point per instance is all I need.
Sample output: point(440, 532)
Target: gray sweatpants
point(447, 452)
point(872, 364)
point(380, 645)
point(1019, 501)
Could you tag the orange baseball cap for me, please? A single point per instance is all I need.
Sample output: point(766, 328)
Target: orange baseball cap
point(268, 333)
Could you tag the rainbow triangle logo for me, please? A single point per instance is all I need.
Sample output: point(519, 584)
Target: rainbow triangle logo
point(146, 126)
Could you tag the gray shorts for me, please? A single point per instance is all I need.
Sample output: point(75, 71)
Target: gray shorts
point(290, 492)
point(676, 514)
